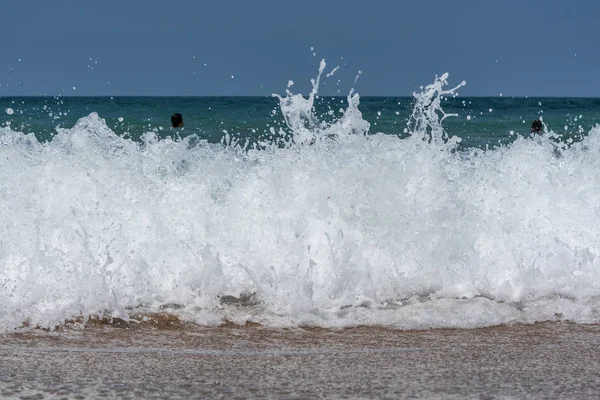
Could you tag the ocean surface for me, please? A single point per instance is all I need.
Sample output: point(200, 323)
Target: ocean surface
point(480, 122)
point(300, 210)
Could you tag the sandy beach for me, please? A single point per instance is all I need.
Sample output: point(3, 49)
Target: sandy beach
point(178, 361)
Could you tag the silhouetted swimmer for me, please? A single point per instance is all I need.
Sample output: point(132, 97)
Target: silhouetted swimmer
point(536, 126)
point(176, 121)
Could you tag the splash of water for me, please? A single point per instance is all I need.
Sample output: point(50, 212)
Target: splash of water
point(356, 230)
point(427, 115)
point(306, 127)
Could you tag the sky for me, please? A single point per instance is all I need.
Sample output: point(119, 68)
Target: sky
point(240, 48)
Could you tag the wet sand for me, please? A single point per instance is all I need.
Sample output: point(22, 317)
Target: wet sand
point(175, 361)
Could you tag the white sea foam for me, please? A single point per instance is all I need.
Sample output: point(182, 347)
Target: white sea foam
point(351, 229)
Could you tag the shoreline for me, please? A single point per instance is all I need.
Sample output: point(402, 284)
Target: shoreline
point(539, 360)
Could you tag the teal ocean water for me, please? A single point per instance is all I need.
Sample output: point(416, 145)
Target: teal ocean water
point(480, 122)
point(434, 211)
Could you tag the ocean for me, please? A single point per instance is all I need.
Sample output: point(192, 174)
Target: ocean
point(483, 122)
point(434, 211)
point(300, 246)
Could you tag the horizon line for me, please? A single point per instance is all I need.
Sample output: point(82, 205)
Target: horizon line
point(271, 96)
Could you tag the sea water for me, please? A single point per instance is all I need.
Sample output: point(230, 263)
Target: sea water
point(300, 210)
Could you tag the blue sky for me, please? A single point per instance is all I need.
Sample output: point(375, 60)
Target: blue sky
point(150, 47)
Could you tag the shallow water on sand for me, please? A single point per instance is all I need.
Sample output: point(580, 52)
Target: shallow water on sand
point(527, 361)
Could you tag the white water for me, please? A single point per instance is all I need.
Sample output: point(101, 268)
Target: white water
point(350, 230)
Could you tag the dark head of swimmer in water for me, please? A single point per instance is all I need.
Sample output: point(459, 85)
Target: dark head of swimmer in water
point(536, 126)
point(176, 121)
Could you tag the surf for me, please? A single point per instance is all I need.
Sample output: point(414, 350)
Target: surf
point(329, 224)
